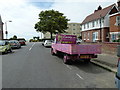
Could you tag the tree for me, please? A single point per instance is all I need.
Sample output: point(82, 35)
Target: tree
point(14, 37)
point(51, 21)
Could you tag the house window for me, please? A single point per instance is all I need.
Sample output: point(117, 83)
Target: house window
point(96, 22)
point(95, 36)
point(118, 20)
point(73, 24)
point(87, 25)
point(73, 29)
point(84, 36)
point(88, 34)
point(93, 23)
point(84, 26)
point(102, 20)
point(113, 36)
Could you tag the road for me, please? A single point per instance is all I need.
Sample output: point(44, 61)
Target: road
point(33, 66)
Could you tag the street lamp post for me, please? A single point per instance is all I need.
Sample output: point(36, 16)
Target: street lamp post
point(6, 32)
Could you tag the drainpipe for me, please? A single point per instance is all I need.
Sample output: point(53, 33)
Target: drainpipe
point(100, 30)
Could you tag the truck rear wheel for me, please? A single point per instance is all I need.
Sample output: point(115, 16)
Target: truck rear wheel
point(65, 59)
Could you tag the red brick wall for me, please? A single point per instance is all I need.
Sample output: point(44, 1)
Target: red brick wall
point(104, 34)
point(108, 48)
point(113, 27)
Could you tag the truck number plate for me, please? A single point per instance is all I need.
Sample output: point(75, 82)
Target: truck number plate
point(84, 56)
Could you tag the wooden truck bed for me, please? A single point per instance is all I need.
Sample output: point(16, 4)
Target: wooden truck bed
point(77, 49)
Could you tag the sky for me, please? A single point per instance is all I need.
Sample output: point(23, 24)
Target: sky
point(24, 13)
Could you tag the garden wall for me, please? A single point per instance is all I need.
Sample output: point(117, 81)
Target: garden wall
point(107, 47)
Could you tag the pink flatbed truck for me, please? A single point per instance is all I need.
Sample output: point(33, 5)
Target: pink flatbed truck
point(66, 46)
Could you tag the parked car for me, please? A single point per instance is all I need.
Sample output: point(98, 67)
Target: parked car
point(47, 43)
point(22, 42)
point(78, 41)
point(15, 44)
point(5, 46)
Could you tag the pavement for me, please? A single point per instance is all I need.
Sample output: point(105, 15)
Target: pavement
point(106, 61)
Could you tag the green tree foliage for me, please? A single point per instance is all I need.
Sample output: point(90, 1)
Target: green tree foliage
point(14, 37)
point(51, 21)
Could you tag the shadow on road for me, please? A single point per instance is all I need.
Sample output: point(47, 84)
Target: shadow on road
point(87, 67)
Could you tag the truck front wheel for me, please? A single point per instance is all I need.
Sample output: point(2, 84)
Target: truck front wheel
point(52, 52)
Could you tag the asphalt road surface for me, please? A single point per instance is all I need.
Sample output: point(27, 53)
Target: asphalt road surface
point(33, 66)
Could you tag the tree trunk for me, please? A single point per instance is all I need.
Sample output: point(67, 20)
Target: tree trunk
point(51, 34)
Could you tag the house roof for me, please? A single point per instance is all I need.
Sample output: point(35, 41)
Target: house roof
point(98, 14)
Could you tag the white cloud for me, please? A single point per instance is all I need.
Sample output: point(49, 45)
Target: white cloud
point(77, 11)
point(25, 15)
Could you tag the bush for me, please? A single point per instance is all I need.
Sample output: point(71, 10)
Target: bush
point(116, 40)
point(31, 40)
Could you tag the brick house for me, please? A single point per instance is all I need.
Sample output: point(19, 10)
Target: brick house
point(95, 27)
point(1, 29)
point(115, 25)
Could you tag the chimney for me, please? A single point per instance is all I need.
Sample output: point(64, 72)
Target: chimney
point(99, 8)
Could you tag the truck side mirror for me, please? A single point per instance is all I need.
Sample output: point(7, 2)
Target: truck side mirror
point(118, 50)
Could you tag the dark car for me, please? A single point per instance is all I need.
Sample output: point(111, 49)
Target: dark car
point(15, 44)
point(22, 42)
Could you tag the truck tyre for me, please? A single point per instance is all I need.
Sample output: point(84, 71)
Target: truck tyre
point(65, 59)
point(52, 52)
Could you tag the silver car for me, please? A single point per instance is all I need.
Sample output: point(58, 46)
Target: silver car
point(15, 44)
point(47, 43)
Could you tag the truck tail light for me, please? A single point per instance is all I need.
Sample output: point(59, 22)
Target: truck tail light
point(118, 62)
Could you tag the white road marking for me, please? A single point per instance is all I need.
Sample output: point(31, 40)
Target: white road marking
point(32, 47)
point(79, 76)
point(69, 67)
